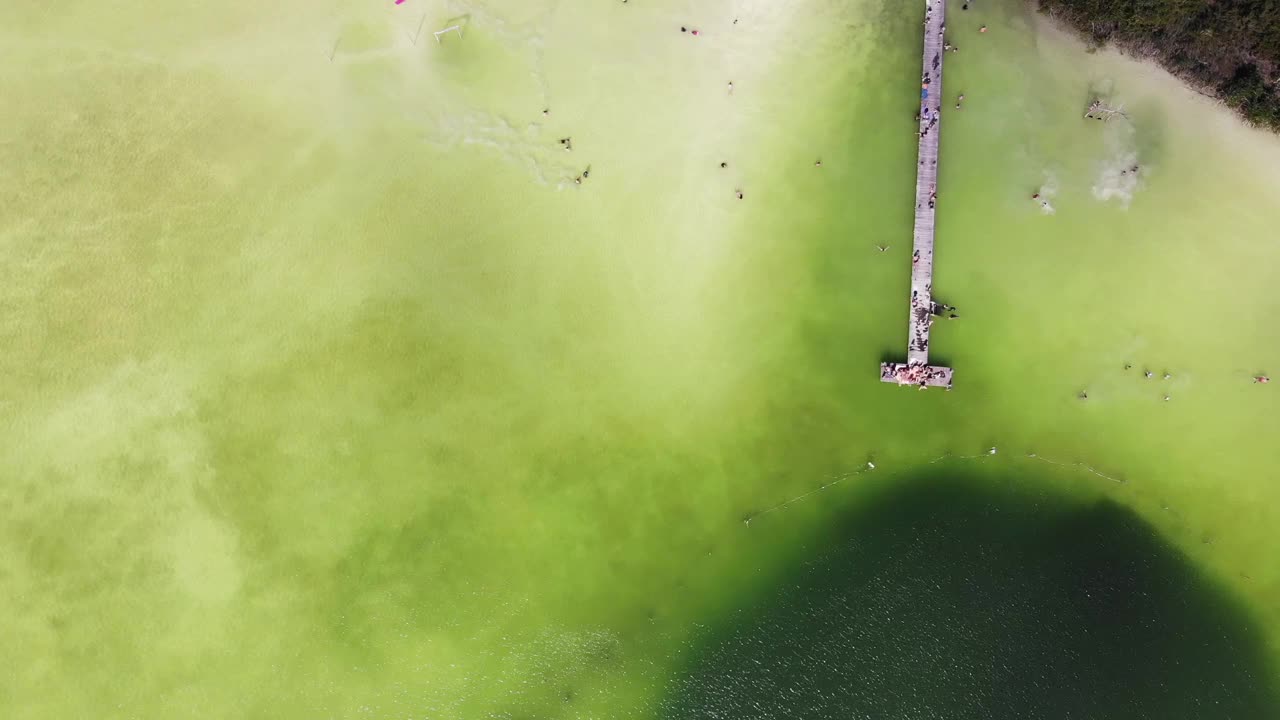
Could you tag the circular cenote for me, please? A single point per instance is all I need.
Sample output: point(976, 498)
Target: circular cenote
point(954, 595)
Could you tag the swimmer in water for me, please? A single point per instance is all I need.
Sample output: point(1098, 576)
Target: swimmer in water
point(739, 192)
point(724, 164)
point(982, 29)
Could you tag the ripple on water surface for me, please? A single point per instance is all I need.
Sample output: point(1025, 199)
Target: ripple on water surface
point(943, 598)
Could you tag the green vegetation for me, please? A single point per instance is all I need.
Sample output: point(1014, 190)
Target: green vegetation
point(1230, 48)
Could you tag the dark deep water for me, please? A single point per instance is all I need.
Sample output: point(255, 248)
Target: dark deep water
point(950, 598)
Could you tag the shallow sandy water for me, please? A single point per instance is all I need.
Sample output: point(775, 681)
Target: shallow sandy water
point(329, 392)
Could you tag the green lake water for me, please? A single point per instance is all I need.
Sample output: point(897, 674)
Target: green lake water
point(957, 596)
point(327, 392)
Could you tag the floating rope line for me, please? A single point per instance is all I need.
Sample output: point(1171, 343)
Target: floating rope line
point(1079, 465)
point(845, 476)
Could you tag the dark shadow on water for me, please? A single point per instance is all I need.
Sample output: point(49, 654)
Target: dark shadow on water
point(896, 355)
point(1151, 123)
point(958, 598)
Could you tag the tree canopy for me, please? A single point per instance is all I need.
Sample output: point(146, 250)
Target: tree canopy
point(1230, 47)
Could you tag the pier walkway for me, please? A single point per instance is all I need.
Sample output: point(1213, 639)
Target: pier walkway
point(917, 370)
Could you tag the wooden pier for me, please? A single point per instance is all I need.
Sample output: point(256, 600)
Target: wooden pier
point(917, 370)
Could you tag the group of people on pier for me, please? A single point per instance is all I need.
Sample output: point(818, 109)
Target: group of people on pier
point(916, 373)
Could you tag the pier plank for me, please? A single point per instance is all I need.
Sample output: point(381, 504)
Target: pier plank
point(917, 366)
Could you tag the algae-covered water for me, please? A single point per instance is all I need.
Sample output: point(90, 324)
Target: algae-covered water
point(327, 392)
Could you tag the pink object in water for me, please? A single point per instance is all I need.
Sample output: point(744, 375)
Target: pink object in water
point(399, 2)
